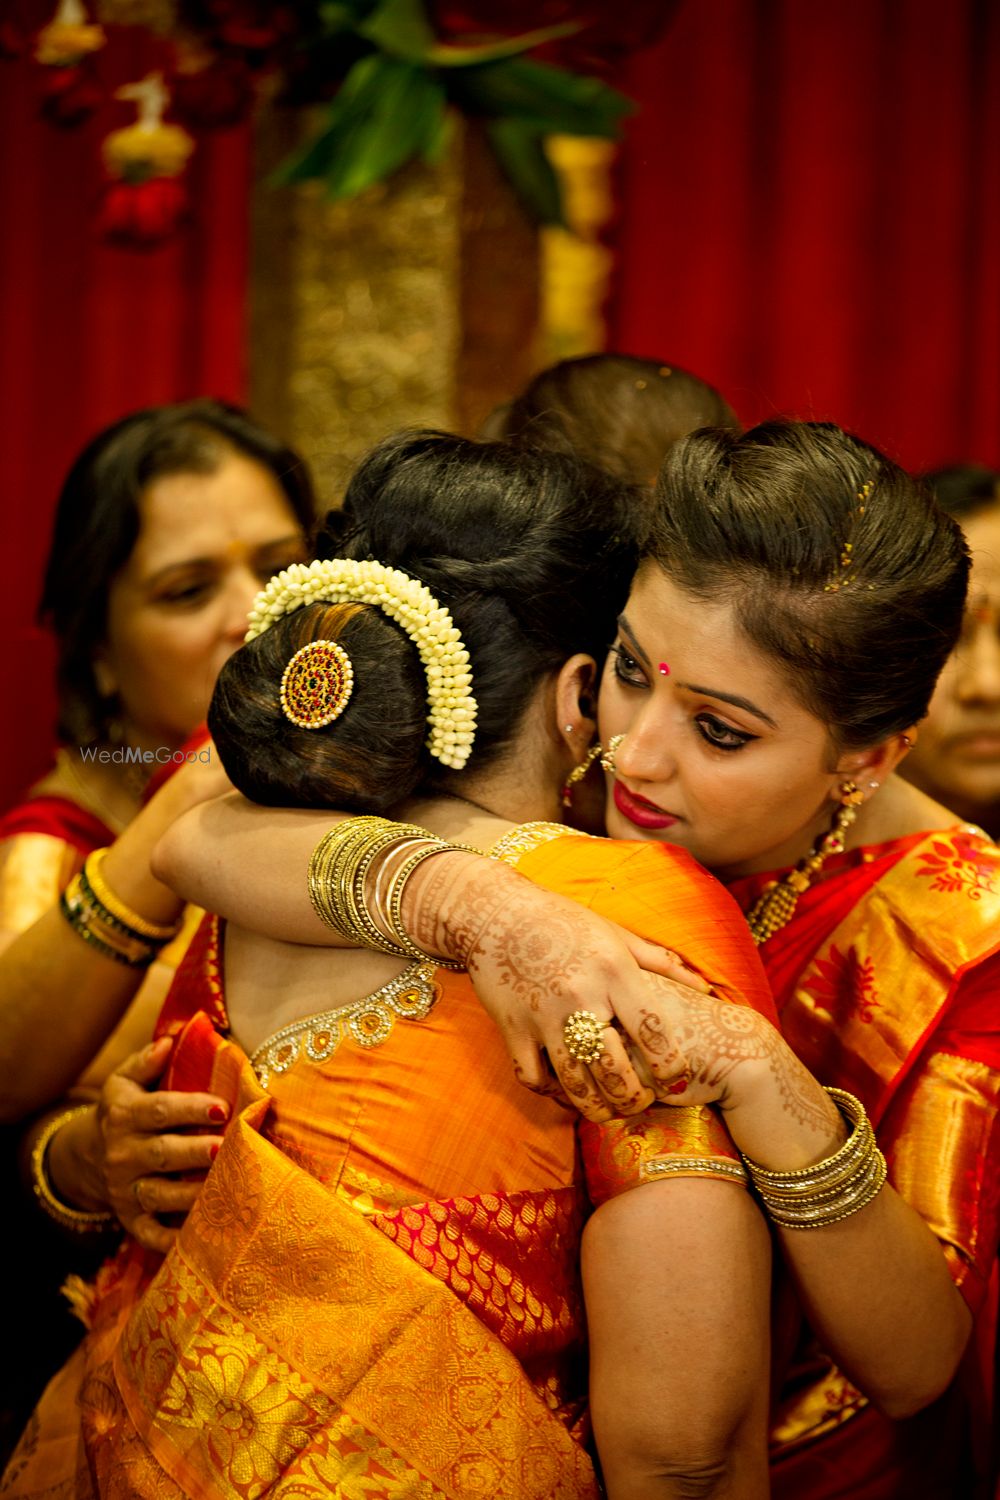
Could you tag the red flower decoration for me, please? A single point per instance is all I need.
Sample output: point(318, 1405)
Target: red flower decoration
point(215, 96)
point(844, 986)
point(959, 864)
point(143, 213)
point(69, 96)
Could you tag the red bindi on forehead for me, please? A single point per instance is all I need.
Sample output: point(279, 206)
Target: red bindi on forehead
point(663, 669)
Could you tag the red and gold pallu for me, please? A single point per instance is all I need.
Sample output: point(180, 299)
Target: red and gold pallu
point(377, 1292)
point(887, 982)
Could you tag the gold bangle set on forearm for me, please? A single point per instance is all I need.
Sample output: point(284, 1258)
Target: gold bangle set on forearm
point(832, 1189)
point(338, 876)
point(101, 919)
point(79, 1220)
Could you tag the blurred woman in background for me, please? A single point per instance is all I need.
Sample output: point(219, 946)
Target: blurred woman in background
point(166, 525)
point(956, 757)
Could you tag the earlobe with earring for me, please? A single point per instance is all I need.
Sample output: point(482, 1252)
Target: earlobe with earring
point(579, 772)
point(776, 907)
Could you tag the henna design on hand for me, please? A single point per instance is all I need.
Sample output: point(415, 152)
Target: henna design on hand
point(717, 1036)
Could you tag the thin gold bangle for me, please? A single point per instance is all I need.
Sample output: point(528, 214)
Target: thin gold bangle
point(79, 1220)
point(139, 925)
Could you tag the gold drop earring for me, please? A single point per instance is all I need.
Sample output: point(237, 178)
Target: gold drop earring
point(775, 908)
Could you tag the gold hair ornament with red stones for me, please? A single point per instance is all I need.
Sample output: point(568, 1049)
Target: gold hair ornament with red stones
point(451, 712)
point(316, 685)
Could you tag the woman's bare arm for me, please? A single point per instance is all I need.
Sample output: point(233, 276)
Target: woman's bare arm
point(861, 1279)
point(249, 864)
point(677, 1285)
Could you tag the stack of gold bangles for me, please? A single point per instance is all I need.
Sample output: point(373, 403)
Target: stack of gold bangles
point(97, 915)
point(338, 874)
point(833, 1189)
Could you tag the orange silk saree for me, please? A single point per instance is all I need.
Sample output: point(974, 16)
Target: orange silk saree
point(377, 1291)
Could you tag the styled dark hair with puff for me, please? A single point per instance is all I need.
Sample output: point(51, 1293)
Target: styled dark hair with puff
point(97, 524)
point(531, 552)
point(615, 410)
point(858, 593)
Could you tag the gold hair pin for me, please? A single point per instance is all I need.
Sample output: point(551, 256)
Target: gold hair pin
point(847, 551)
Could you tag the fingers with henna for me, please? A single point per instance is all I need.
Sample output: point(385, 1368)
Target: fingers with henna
point(656, 959)
point(663, 1059)
point(531, 1067)
point(617, 1079)
point(580, 1088)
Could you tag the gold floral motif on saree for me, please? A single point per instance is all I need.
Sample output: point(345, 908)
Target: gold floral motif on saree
point(907, 941)
point(393, 1389)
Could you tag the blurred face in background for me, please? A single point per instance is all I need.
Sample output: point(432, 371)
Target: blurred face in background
point(957, 755)
point(178, 608)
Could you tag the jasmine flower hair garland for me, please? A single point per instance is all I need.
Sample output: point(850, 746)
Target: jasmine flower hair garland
point(451, 706)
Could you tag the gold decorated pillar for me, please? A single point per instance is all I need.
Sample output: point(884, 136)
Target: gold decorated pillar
point(420, 303)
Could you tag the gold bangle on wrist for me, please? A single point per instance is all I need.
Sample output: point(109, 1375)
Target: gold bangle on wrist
point(139, 926)
point(79, 1220)
point(392, 911)
point(832, 1189)
point(338, 875)
point(91, 922)
point(337, 869)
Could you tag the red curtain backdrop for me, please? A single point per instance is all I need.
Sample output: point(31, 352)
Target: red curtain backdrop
point(90, 332)
point(809, 217)
point(810, 214)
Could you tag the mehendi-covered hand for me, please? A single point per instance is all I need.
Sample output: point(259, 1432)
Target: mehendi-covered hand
point(534, 958)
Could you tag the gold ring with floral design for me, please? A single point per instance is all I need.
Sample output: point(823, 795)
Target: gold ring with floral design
point(583, 1034)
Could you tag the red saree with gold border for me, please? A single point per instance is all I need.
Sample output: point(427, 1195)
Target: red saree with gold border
point(887, 982)
point(377, 1292)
